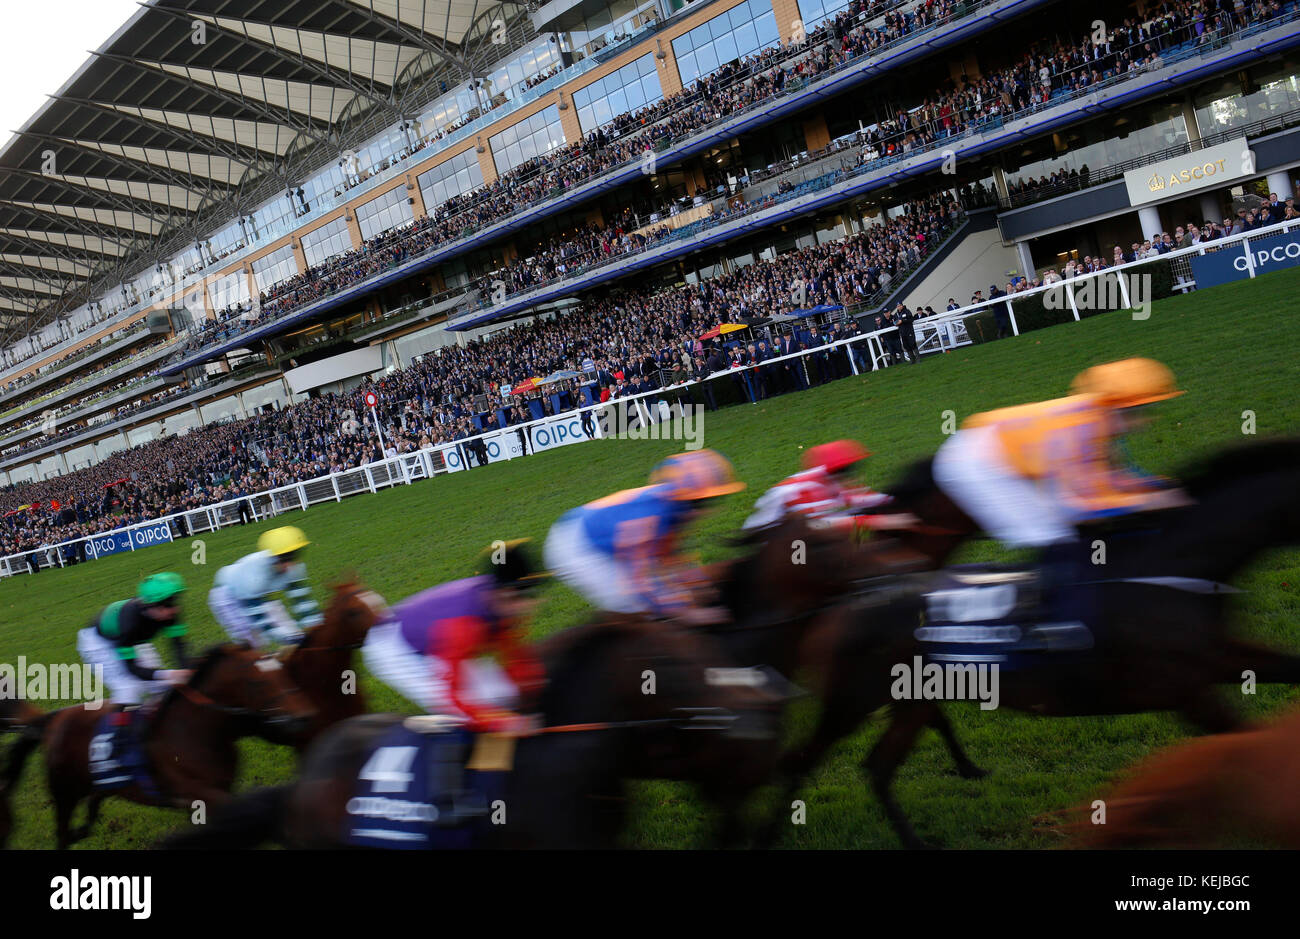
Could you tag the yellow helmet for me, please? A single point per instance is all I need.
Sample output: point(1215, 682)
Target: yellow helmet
point(1126, 383)
point(696, 474)
point(284, 540)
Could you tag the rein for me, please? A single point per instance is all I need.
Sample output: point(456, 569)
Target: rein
point(698, 719)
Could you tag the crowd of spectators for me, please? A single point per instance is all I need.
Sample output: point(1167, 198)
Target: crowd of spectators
point(630, 341)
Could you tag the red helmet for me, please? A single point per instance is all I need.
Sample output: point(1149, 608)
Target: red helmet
point(835, 456)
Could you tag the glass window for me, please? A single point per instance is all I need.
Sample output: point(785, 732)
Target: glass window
point(736, 34)
point(326, 242)
point(228, 290)
point(277, 266)
point(528, 138)
point(455, 177)
point(385, 213)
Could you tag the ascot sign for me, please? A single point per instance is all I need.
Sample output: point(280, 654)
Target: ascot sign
point(1213, 166)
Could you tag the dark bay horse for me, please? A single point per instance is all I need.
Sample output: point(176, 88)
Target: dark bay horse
point(566, 786)
point(1165, 645)
point(322, 665)
point(189, 742)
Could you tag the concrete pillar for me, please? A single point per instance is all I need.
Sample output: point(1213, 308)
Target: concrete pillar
point(253, 292)
point(485, 164)
point(198, 413)
point(354, 228)
point(299, 256)
point(568, 117)
point(239, 399)
point(788, 19)
point(63, 461)
point(1000, 183)
point(418, 208)
point(815, 133)
point(1026, 259)
point(1281, 183)
point(1189, 118)
point(1211, 207)
point(1149, 221)
point(670, 80)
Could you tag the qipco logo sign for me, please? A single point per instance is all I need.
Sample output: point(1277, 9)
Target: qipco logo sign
point(558, 434)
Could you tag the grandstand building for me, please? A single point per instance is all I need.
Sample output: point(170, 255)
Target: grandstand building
point(236, 205)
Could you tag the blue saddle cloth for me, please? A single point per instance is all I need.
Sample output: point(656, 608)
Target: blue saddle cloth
point(414, 793)
point(116, 757)
point(977, 615)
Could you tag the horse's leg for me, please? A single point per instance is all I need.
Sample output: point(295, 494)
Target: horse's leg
point(839, 717)
point(92, 813)
point(1269, 665)
point(65, 803)
point(1207, 709)
point(966, 768)
point(905, 725)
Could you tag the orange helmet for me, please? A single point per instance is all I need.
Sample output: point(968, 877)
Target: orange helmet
point(835, 456)
point(697, 474)
point(1126, 383)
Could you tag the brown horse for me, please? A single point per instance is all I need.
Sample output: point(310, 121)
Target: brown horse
point(1164, 645)
point(1209, 793)
point(189, 742)
point(565, 790)
point(322, 666)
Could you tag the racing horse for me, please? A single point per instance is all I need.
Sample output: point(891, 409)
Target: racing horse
point(189, 741)
point(565, 789)
point(322, 666)
point(1209, 792)
point(1161, 606)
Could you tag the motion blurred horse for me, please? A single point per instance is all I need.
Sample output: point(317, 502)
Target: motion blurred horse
point(565, 789)
point(189, 742)
point(1165, 642)
point(1209, 792)
point(320, 664)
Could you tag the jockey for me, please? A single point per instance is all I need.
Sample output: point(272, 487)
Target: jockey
point(241, 601)
point(1029, 474)
point(825, 489)
point(436, 649)
point(119, 638)
point(620, 552)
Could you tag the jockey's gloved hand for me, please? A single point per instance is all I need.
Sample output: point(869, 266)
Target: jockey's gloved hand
point(285, 634)
point(174, 676)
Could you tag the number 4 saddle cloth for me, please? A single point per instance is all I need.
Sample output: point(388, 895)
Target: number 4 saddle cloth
point(983, 615)
point(117, 758)
point(428, 784)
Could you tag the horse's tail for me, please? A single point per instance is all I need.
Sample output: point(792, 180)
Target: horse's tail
point(247, 821)
point(30, 735)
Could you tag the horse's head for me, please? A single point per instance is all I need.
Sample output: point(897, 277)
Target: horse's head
point(352, 611)
point(244, 683)
point(799, 564)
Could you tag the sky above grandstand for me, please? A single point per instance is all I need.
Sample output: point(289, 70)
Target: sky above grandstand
point(42, 43)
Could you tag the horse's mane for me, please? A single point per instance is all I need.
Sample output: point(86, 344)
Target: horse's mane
point(571, 653)
point(209, 661)
point(1248, 459)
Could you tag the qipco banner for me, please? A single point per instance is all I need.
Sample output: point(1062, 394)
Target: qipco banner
point(560, 431)
point(133, 540)
point(504, 446)
point(1269, 254)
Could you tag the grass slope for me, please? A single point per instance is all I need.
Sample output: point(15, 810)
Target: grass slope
point(1226, 345)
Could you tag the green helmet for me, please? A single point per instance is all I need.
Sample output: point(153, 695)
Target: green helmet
point(159, 587)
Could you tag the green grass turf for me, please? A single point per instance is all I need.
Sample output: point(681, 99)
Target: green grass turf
point(1228, 347)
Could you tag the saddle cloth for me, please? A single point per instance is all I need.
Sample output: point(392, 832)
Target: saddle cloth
point(419, 789)
point(116, 758)
point(983, 615)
